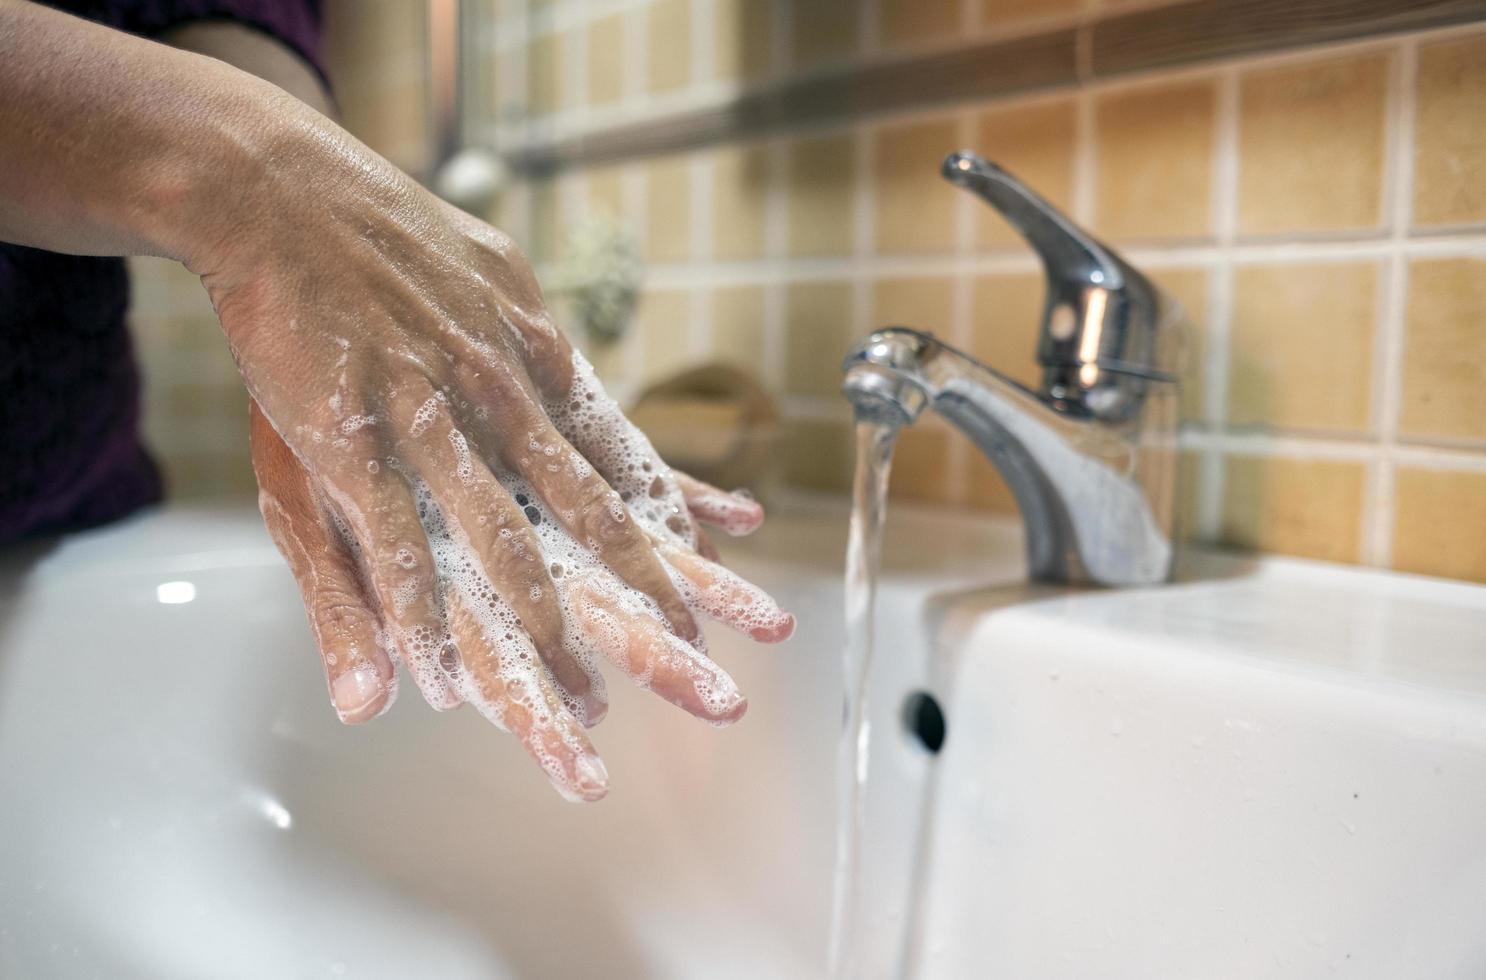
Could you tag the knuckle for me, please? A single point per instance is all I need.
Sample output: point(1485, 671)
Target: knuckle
point(340, 614)
point(603, 520)
point(513, 557)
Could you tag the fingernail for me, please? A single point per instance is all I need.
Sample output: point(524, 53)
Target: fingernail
point(596, 708)
point(354, 694)
point(776, 633)
point(592, 776)
point(727, 703)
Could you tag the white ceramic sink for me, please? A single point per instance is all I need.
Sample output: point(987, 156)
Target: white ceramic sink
point(1277, 769)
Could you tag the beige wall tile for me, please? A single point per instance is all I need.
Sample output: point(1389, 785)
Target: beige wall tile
point(360, 39)
point(1034, 142)
point(668, 209)
point(1444, 375)
point(611, 358)
point(393, 121)
point(1301, 346)
point(606, 191)
point(818, 454)
point(926, 303)
point(606, 59)
point(1188, 495)
point(817, 334)
point(663, 322)
point(668, 31)
point(915, 206)
point(822, 182)
point(1438, 522)
point(197, 475)
point(740, 190)
point(744, 39)
point(1311, 146)
point(738, 327)
point(1310, 508)
point(1450, 142)
point(985, 487)
point(921, 463)
point(1001, 13)
point(542, 236)
point(1189, 288)
point(822, 30)
point(909, 22)
point(1155, 155)
point(1005, 318)
point(544, 73)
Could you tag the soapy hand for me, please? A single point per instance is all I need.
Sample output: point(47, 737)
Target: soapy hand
point(450, 483)
point(455, 491)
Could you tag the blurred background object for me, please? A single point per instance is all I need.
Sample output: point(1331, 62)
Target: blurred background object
point(715, 422)
point(1313, 189)
point(599, 274)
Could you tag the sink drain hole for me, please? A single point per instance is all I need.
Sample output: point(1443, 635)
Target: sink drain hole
point(924, 720)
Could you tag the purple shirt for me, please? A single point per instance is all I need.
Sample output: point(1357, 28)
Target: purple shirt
point(70, 451)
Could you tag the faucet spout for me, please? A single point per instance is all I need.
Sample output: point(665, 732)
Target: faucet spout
point(1090, 455)
point(1089, 489)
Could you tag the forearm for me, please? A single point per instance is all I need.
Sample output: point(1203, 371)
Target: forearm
point(110, 144)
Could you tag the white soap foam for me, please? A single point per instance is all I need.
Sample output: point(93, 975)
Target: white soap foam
point(595, 603)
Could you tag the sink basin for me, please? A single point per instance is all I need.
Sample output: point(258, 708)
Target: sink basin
point(1269, 769)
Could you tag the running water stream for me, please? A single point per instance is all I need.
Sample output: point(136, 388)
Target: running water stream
point(874, 455)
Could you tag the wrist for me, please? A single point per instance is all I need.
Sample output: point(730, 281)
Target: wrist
point(223, 173)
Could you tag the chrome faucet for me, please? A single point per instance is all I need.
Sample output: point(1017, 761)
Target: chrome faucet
point(1090, 455)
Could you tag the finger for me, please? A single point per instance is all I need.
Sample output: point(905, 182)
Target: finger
point(594, 423)
point(348, 632)
point(494, 666)
point(589, 509)
point(705, 547)
point(727, 597)
point(735, 513)
point(638, 644)
point(489, 540)
point(395, 558)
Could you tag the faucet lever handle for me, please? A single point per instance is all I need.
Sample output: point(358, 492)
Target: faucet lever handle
point(1066, 251)
point(1101, 315)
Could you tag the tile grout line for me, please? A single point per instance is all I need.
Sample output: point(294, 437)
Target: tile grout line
point(869, 27)
point(636, 53)
point(708, 96)
point(632, 208)
point(864, 231)
point(1379, 495)
point(575, 75)
point(780, 39)
point(962, 325)
point(1212, 467)
point(905, 265)
point(703, 54)
point(700, 167)
point(776, 205)
point(1085, 157)
point(635, 186)
point(776, 221)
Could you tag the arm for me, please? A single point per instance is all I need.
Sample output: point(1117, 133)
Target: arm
point(257, 54)
point(451, 486)
point(115, 145)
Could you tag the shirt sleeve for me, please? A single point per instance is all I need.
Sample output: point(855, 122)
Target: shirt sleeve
point(295, 23)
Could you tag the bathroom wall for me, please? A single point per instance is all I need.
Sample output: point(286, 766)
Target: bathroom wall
point(1320, 212)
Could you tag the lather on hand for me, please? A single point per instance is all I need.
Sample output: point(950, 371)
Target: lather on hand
point(448, 481)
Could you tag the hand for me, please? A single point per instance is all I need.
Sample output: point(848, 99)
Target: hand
point(454, 490)
point(452, 486)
